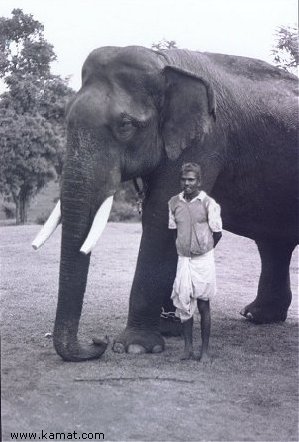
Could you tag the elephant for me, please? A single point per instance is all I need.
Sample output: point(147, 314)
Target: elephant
point(141, 114)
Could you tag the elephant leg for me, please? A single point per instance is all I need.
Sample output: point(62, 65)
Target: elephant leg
point(154, 275)
point(274, 294)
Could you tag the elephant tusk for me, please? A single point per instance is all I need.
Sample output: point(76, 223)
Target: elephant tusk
point(48, 228)
point(98, 225)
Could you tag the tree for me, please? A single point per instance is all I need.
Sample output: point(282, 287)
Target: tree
point(164, 44)
point(286, 49)
point(27, 149)
point(32, 133)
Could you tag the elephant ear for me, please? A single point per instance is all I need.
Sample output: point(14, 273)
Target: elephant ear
point(188, 111)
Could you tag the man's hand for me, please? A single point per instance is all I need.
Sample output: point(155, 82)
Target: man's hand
point(216, 236)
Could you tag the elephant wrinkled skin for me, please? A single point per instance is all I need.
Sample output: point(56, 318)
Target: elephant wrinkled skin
point(141, 113)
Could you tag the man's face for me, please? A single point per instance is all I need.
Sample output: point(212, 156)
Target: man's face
point(190, 184)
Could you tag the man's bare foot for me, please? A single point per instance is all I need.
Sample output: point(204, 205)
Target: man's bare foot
point(188, 354)
point(205, 358)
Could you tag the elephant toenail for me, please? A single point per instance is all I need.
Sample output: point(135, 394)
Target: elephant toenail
point(101, 341)
point(249, 315)
point(242, 312)
point(136, 349)
point(157, 349)
point(118, 347)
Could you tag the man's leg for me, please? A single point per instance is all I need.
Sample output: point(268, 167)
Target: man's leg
point(205, 324)
point(187, 327)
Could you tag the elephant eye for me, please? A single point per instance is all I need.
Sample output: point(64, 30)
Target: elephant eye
point(125, 127)
point(126, 124)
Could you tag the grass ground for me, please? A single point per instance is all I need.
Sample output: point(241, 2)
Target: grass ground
point(249, 393)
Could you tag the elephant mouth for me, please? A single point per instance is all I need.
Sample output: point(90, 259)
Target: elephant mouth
point(99, 223)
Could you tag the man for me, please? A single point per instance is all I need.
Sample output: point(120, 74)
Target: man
point(196, 218)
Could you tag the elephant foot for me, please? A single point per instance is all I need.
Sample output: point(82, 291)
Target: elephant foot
point(261, 314)
point(76, 352)
point(170, 325)
point(136, 341)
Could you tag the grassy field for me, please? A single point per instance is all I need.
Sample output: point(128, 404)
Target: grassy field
point(249, 393)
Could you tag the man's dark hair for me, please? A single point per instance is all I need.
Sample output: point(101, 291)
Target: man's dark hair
point(192, 167)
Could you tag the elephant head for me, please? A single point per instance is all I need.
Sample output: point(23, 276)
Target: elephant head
point(133, 111)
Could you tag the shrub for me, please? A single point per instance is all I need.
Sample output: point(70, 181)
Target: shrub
point(9, 210)
point(41, 219)
point(124, 211)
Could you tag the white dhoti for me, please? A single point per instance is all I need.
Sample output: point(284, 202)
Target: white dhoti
point(195, 279)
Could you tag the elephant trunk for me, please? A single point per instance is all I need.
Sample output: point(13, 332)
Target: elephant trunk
point(80, 199)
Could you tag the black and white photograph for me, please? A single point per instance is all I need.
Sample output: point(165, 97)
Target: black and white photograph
point(149, 220)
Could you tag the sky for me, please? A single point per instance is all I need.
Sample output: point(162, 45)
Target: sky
point(76, 27)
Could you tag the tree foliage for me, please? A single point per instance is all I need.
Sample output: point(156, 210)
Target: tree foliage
point(27, 149)
point(286, 49)
point(32, 133)
point(164, 44)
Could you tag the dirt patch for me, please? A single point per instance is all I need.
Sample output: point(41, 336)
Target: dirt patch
point(249, 393)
